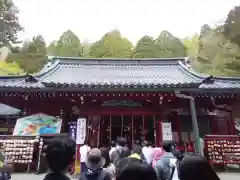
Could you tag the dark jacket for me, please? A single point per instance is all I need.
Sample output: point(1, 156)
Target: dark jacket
point(98, 174)
point(56, 176)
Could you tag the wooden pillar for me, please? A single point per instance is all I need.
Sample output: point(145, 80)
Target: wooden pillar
point(231, 124)
point(178, 123)
point(159, 133)
point(110, 128)
point(214, 124)
point(132, 123)
point(154, 130)
point(143, 128)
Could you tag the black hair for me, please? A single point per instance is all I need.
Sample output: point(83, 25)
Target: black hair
point(134, 169)
point(137, 149)
point(85, 142)
point(121, 141)
point(112, 143)
point(105, 155)
point(126, 152)
point(192, 166)
point(138, 142)
point(150, 143)
point(60, 154)
point(167, 146)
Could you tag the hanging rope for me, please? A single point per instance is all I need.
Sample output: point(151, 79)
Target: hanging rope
point(122, 126)
point(110, 128)
point(154, 130)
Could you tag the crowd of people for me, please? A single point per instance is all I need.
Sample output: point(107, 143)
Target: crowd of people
point(142, 162)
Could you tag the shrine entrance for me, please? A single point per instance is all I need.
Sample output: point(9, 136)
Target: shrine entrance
point(130, 127)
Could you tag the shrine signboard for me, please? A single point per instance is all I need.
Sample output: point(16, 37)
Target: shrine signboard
point(166, 131)
point(81, 131)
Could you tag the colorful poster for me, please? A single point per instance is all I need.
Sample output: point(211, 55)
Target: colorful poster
point(37, 124)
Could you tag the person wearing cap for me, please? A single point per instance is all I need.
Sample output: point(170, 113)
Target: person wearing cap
point(95, 163)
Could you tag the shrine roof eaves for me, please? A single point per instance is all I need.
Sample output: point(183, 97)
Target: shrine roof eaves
point(64, 72)
point(6, 110)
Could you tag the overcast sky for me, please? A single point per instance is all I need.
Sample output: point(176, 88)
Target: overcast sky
point(91, 19)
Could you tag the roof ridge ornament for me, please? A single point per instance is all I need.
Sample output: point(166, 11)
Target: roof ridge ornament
point(187, 62)
point(30, 78)
point(208, 80)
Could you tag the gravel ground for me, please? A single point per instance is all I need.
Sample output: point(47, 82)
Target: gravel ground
point(223, 176)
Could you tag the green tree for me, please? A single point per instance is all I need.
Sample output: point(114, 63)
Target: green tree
point(191, 45)
point(32, 55)
point(10, 68)
point(169, 45)
point(112, 44)
point(231, 27)
point(146, 48)
point(9, 23)
point(68, 45)
point(217, 55)
point(205, 29)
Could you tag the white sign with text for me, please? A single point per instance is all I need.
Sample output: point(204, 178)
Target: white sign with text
point(81, 131)
point(166, 131)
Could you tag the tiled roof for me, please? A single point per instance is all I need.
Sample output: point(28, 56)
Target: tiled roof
point(8, 110)
point(222, 83)
point(117, 73)
point(121, 73)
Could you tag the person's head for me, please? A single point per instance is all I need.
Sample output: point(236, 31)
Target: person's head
point(94, 159)
point(1, 147)
point(196, 167)
point(121, 141)
point(105, 155)
point(60, 154)
point(137, 149)
point(145, 143)
point(112, 143)
point(85, 142)
point(150, 144)
point(126, 152)
point(167, 146)
point(134, 169)
point(137, 142)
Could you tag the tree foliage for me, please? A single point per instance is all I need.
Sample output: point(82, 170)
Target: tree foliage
point(68, 45)
point(112, 44)
point(217, 55)
point(191, 46)
point(9, 23)
point(32, 56)
point(169, 46)
point(146, 48)
point(9, 68)
point(231, 27)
